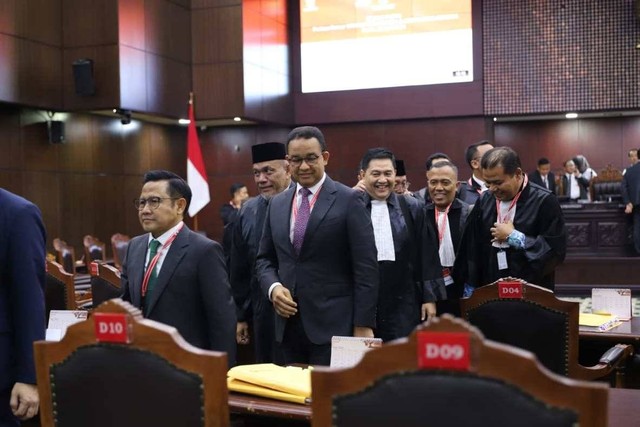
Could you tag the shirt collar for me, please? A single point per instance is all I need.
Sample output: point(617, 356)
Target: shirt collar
point(166, 235)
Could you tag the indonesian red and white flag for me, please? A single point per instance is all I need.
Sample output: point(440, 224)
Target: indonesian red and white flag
point(196, 173)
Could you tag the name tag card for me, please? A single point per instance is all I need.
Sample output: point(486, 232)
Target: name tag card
point(347, 351)
point(616, 302)
point(444, 350)
point(511, 290)
point(94, 269)
point(60, 320)
point(112, 327)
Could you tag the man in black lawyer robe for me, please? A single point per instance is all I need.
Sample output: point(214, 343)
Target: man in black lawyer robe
point(515, 229)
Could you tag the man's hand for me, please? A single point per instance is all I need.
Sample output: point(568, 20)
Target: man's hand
point(628, 208)
point(24, 400)
point(362, 331)
point(500, 231)
point(360, 186)
point(242, 333)
point(283, 303)
point(428, 310)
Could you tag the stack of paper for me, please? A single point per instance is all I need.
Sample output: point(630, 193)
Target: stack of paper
point(603, 322)
point(291, 384)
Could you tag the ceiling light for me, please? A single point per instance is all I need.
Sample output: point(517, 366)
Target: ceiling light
point(184, 121)
point(237, 119)
point(571, 115)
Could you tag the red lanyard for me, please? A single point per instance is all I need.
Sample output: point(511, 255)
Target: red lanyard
point(311, 204)
point(442, 229)
point(512, 204)
point(154, 261)
point(479, 190)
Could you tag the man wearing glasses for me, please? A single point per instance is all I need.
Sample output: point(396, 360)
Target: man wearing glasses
point(176, 276)
point(317, 260)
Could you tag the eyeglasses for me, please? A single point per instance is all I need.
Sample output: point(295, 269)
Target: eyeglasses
point(311, 159)
point(152, 202)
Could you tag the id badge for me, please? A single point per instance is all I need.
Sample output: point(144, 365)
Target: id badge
point(502, 260)
point(446, 275)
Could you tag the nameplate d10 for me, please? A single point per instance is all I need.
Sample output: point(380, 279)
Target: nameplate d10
point(94, 269)
point(112, 327)
point(444, 350)
point(510, 290)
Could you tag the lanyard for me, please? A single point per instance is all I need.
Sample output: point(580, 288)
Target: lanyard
point(311, 204)
point(154, 261)
point(442, 228)
point(478, 190)
point(512, 204)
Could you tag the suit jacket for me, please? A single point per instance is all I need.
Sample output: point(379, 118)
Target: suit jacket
point(631, 185)
point(537, 178)
point(192, 291)
point(334, 279)
point(22, 281)
point(583, 183)
point(469, 191)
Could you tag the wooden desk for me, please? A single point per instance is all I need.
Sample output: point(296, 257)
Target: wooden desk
point(625, 333)
point(622, 412)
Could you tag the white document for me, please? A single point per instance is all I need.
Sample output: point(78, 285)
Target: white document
point(613, 301)
point(347, 351)
point(60, 320)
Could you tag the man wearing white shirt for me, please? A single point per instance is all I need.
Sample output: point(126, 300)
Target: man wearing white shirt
point(574, 184)
point(177, 276)
point(543, 175)
point(407, 295)
point(471, 189)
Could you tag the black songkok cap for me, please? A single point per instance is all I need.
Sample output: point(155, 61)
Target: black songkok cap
point(268, 151)
point(400, 168)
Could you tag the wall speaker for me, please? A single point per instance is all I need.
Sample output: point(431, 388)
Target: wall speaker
point(56, 131)
point(83, 77)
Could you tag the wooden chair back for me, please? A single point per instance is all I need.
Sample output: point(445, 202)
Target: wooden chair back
point(607, 186)
point(501, 385)
point(538, 322)
point(156, 378)
point(119, 244)
point(59, 289)
point(65, 255)
point(105, 282)
point(94, 249)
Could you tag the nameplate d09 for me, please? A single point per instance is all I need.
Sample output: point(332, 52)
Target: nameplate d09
point(444, 350)
point(112, 327)
point(511, 290)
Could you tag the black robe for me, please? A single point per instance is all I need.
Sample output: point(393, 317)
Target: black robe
point(538, 216)
point(251, 304)
point(413, 278)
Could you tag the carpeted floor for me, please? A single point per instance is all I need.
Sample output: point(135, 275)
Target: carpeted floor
point(585, 304)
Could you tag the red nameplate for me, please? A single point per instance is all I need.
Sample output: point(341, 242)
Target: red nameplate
point(445, 350)
point(510, 290)
point(94, 269)
point(112, 327)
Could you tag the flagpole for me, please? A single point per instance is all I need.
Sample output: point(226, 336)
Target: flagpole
point(195, 217)
point(196, 171)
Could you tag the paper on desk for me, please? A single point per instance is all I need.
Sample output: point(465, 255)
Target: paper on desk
point(291, 379)
point(60, 320)
point(613, 301)
point(348, 351)
point(603, 322)
point(256, 390)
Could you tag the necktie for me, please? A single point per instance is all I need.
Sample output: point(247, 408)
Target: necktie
point(153, 250)
point(302, 219)
point(546, 182)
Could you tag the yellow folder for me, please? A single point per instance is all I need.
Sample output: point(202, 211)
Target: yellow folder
point(291, 383)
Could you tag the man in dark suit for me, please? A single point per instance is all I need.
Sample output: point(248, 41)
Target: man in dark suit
point(22, 312)
point(317, 258)
point(409, 285)
point(574, 185)
point(470, 190)
point(631, 199)
point(445, 217)
point(177, 276)
point(543, 175)
point(272, 176)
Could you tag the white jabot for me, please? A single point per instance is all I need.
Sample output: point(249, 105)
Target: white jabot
point(382, 230)
point(446, 251)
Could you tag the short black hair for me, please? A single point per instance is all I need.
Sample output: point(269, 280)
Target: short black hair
point(445, 163)
point(501, 156)
point(377, 153)
point(307, 132)
point(434, 156)
point(472, 150)
point(543, 161)
point(177, 188)
point(235, 187)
